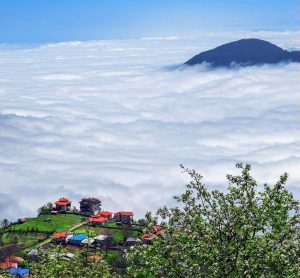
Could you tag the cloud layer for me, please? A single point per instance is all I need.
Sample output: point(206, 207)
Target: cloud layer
point(109, 119)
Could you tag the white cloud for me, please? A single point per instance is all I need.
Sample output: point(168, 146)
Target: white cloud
point(108, 119)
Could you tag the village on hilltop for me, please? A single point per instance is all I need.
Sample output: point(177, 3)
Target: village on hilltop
point(102, 234)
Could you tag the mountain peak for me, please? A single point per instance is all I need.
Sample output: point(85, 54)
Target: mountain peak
point(245, 52)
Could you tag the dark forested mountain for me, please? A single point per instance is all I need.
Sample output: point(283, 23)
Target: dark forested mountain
point(245, 52)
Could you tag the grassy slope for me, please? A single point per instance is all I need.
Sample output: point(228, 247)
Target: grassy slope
point(60, 222)
point(25, 239)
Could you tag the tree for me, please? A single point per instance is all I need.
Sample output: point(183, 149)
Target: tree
point(5, 223)
point(45, 209)
point(244, 232)
point(49, 265)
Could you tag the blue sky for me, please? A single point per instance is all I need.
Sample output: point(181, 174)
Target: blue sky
point(35, 21)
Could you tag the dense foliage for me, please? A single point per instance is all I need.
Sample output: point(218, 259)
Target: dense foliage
point(245, 232)
point(45, 209)
point(55, 264)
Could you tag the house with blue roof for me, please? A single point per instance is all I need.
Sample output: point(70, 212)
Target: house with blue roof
point(19, 271)
point(77, 239)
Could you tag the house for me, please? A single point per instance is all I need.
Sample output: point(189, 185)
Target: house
point(60, 237)
point(22, 220)
point(7, 264)
point(156, 229)
point(14, 259)
point(87, 242)
point(77, 239)
point(90, 206)
point(131, 241)
point(67, 256)
point(33, 254)
point(19, 272)
point(63, 205)
point(124, 217)
point(97, 220)
point(107, 214)
point(105, 242)
point(95, 258)
point(147, 238)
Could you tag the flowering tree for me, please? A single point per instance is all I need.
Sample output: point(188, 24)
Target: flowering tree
point(49, 266)
point(241, 233)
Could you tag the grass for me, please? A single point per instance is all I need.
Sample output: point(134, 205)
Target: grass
point(49, 223)
point(111, 225)
point(111, 256)
point(89, 232)
point(24, 239)
point(118, 236)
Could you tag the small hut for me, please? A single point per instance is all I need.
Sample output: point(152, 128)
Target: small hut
point(147, 238)
point(77, 239)
point(107, 214)
point(124, 217)
point(60, 237)
point(19, 272)
point(105, 242)
point(33, 254)
point(90, 206)
point(95, 258)
point(63, 205)
point(97, 220)
point(131, 241)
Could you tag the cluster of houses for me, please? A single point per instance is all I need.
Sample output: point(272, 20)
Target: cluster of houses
point(11, 264)
point(105, 242)
point(92, 207)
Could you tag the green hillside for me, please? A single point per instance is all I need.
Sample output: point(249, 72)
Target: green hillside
point(49, 223)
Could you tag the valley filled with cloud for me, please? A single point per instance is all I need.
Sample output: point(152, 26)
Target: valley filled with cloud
point(114, 119)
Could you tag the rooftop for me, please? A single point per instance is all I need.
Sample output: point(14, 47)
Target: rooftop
point(63, 202)
point(125, 213)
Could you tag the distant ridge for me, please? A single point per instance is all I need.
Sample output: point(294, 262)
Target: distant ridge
point(245, 52)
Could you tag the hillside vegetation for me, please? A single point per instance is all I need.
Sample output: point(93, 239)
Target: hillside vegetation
point(49, 223)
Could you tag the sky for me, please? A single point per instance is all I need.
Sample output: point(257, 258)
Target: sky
point(92, 103)
point(35, 21)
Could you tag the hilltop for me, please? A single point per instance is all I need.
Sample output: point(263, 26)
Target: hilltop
point(245, 52)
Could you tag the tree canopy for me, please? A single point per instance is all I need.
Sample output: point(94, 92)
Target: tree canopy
point(247, 231)
point(55, 264)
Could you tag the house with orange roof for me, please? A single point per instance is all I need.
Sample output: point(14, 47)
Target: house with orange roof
point(60, 237)
point(63, 205)
point(107, 214)
point(8, 264)
point(97, 219)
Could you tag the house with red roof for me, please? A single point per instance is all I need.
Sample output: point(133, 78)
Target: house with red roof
point(8, 264)
point(124, 217)
point(63, 205)
point(155, 229)
point(22, 220)
point(146, 238)
point(60, 237)
point(97, 219)
point(14, 259)
point(107, 214)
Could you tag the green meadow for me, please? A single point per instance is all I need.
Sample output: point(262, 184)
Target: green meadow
point(49, 223)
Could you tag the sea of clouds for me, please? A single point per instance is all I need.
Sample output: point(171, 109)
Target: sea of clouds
point(113, 119)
